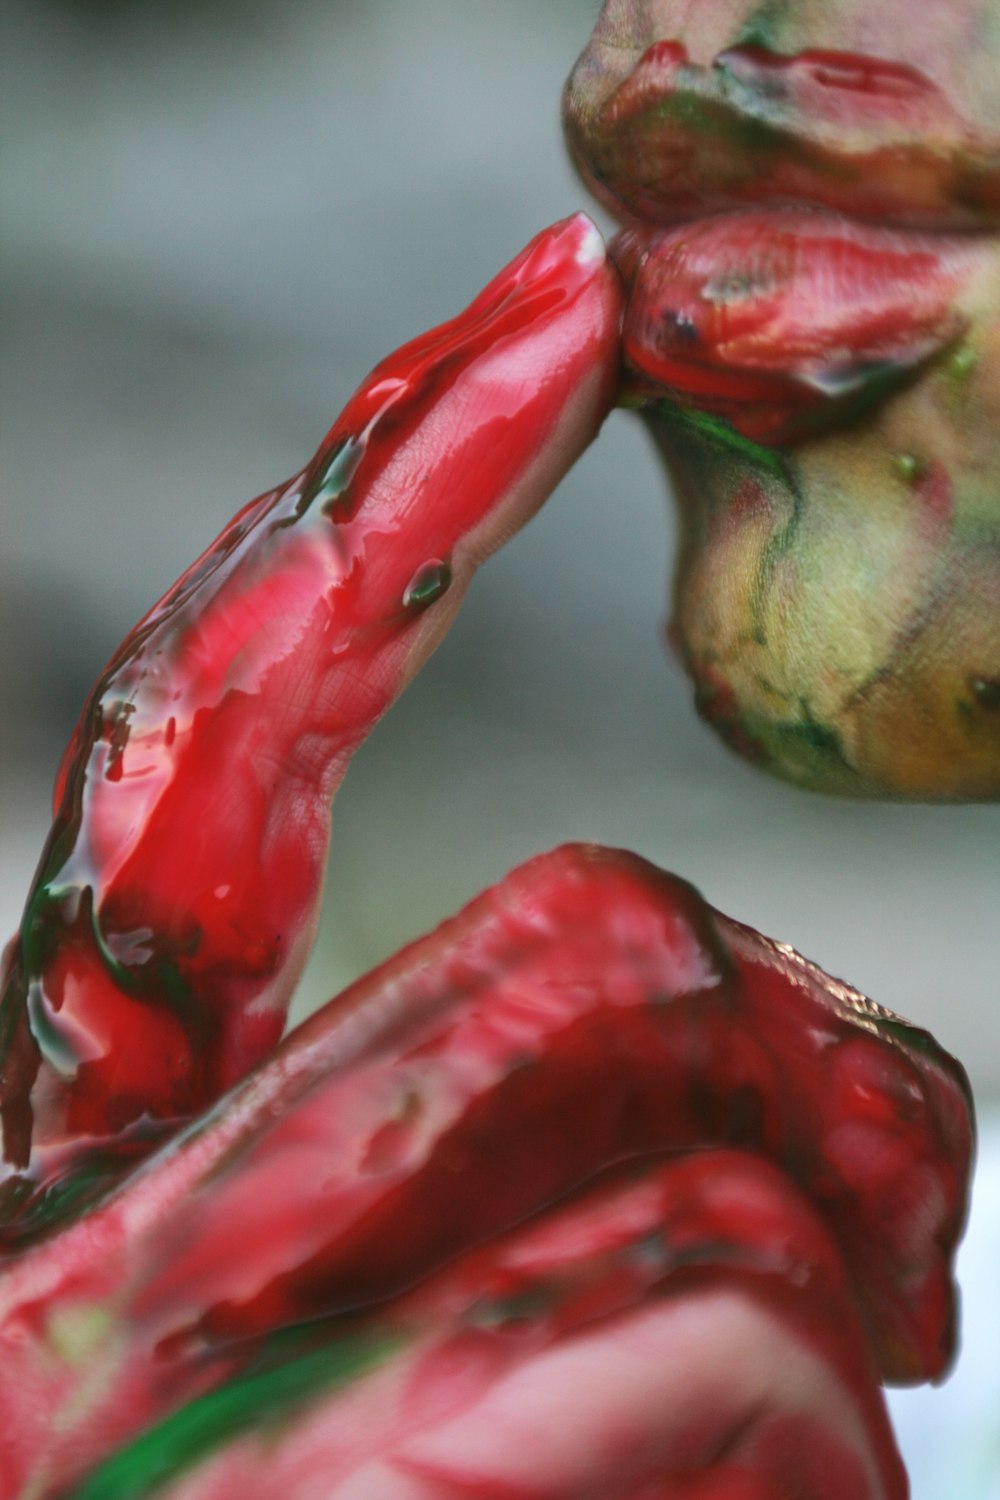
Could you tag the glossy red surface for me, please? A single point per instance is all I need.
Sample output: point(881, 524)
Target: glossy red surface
point(586, 1011)
point(177, 894)
point(593, 1190)
point(785, 322)
point(654, 1279)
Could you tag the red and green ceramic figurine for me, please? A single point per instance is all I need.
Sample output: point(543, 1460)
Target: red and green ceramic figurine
point(593, 1191)
point(812, 195)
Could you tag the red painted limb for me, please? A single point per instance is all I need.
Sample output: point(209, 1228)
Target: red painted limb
point(586, 1010)
point(685, 1330)
point(178, 892)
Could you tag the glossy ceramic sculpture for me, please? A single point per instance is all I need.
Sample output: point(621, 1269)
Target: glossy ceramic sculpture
point(813, 198)
point(178, 893)
point(592, 1191)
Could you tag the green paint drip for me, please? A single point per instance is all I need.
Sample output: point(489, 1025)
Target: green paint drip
point(805, 751)
point(763, 25)
point(986, 692)
point(820, 739)
point(963, 362)
point(339, 474)
point(909, 468)
point(330, 487)
point(718, 430)
point(915, 1040)
point(258, 1400)
point(746, 122)
point(428, 583)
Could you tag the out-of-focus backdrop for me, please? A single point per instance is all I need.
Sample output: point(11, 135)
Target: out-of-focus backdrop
point(216, 216)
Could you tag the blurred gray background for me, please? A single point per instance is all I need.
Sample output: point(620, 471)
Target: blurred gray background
point(216, 216)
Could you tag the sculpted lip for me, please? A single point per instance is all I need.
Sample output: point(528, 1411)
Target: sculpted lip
point(860, 135)
point(785, 321)
point(799, 227)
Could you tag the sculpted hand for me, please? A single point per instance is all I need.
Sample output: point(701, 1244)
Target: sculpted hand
point(591, 1192)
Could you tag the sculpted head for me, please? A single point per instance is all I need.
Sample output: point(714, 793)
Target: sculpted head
point(810, 195)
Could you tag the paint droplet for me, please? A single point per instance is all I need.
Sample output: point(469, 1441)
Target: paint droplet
point(909, 468)
point(986, 692)
point(963, 362)
point(428, 583)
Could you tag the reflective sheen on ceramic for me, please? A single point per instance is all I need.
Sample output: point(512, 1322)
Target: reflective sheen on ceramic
point(586, 1013)
point(178, 893)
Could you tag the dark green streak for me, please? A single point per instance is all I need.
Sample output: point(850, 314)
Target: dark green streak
point(427, 585)
point(762, 26)
point(718, 430)
point(328, 486)
point(914, 1039)
point(986, 692)
point(262, 1400)
point(818, 738)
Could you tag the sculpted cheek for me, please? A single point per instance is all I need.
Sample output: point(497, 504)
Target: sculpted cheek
point(812, 333)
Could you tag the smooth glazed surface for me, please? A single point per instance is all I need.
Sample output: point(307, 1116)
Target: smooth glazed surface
point(589, 1011)
point(178, 893)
